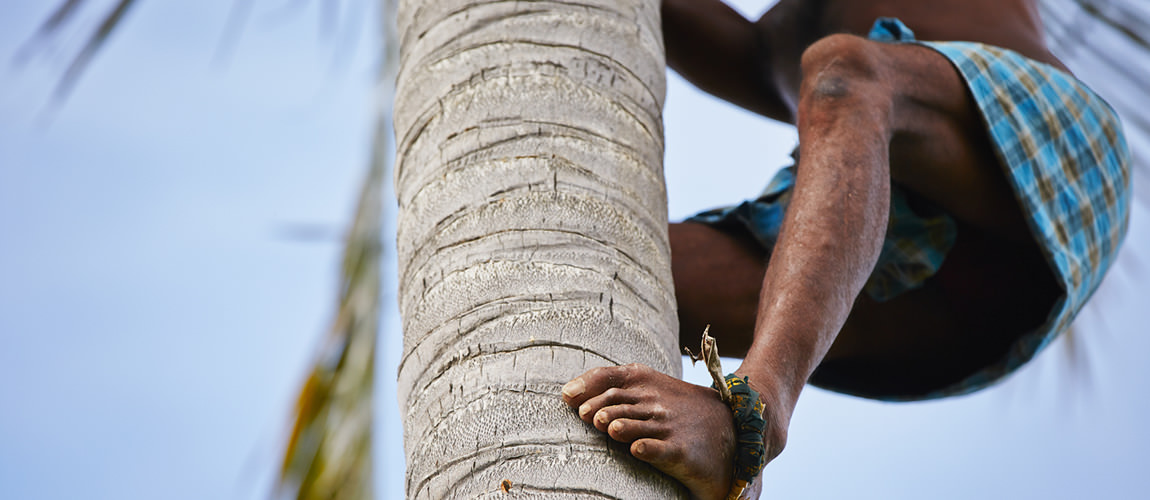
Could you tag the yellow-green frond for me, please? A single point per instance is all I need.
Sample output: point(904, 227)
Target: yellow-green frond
point(328, 455)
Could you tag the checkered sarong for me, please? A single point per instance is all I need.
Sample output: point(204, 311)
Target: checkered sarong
point(1066, 158)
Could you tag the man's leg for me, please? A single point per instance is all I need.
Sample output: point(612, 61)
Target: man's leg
point(987, 292)
point(868, 113)
point(718, 276)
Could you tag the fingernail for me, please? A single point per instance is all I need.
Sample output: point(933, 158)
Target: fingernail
point(574, 388)
point(601, 417)
point(584, 410)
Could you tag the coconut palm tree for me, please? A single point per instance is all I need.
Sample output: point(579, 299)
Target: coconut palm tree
point(531, 239)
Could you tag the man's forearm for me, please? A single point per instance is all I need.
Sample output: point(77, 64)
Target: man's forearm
point(720, 51)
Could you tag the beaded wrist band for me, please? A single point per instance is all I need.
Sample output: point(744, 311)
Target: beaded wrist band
point(749, 424)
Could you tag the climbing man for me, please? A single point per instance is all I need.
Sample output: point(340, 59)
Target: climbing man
point(956, 197)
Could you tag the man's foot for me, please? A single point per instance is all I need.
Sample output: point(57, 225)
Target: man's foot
point(682, 429)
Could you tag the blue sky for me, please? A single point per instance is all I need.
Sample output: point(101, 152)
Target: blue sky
point(157, 313)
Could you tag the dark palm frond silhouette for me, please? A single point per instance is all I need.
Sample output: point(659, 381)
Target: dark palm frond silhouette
point(1121, 16)
point(59, 19)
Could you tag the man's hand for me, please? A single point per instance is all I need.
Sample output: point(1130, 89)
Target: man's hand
point(723, 53)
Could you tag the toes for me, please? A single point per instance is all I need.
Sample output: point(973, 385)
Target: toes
point(627, 430)
point(598, 380)
point(611, 412)
point(610, 398)
point(655, 452)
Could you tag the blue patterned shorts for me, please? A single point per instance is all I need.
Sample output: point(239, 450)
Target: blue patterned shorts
point(1065, 156)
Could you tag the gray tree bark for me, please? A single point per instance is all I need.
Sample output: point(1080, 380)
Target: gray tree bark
point(532, 240)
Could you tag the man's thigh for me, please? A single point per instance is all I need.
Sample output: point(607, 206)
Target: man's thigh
point(994, 285)
point(940, 148)
point(718, 276)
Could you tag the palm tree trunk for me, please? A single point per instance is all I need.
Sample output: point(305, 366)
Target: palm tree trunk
point(531, 240)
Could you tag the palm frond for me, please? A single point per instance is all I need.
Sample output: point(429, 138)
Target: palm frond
point(1121, 18)
point(95, 41)
point(53, 26)
point(328, 455)
point(1108, 42)
point(50, 26)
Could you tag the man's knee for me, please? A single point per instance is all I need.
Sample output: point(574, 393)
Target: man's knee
point(842, 70)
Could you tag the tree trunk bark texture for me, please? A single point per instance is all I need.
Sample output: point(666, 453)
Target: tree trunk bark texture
point(532, 240)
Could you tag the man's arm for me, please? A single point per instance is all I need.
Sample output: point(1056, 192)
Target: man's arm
point(722, 53)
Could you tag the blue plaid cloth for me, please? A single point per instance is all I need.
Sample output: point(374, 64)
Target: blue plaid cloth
point(1065, 155)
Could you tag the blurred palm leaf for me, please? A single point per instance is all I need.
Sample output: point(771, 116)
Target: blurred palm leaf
point(56, 22)
point(328, 453)
point(1097, 37)
point(1122, 16)
point(61, 15)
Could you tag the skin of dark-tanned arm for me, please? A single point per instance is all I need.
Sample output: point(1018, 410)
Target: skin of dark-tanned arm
point(722, 53)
